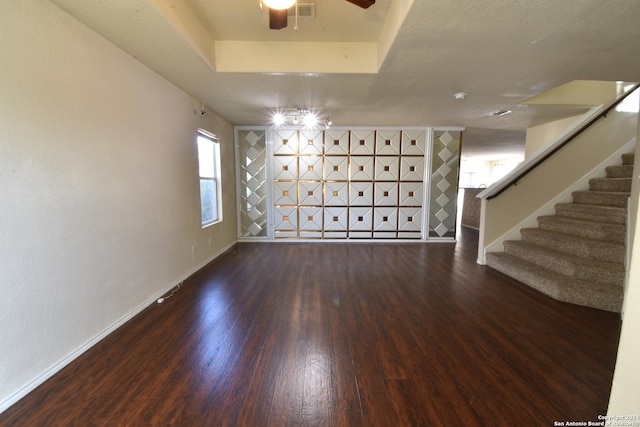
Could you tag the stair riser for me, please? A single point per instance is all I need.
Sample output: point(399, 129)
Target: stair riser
point(605, 251)
point(628, 159)
point(613, 276)
point(607, 235)
point(603, 298)
point(593, 213)
point(622, 185)
point(600, 199)
point(619, 171)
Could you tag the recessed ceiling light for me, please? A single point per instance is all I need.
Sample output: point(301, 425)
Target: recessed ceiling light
point(501, 113)
point(460, 95)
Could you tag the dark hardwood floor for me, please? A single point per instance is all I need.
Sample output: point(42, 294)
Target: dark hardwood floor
point(300, 334)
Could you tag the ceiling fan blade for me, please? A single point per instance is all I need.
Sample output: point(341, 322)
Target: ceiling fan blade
point(363, 3)
point(278, 18)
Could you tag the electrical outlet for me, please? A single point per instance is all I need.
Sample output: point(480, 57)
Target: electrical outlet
point(193, 249)
point(209, 241)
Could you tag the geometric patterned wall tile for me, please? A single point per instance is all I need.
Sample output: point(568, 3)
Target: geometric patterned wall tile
point(386, 169)
point(360, 219)
point(357, 184)
point(414, 142)
point(336, 194)
point(310, 193)
point(385, 219)
point(411, 193)
point(386, 194)
point(310, 168)
point(444, 183)
point(285, 194)
point(412, 169)
point(335, 219)
point(285, 168)
point(285, 219)
point(310, 219)
point(361, 168)
point(285, 142)
point(310, 142)
point(336, 142)
point(336, 168)
point(361, 194)
point(252, 180)
point(362, 142)
point(409, 219)
point(388, 142)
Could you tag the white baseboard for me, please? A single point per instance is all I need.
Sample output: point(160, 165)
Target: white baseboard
point(56, 367)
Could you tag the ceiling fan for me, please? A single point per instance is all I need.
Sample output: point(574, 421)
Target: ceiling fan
point(278, 10)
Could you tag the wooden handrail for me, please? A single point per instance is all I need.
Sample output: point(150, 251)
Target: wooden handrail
point(571, 137)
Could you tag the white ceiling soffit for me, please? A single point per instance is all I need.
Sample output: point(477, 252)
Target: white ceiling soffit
point(231, 42)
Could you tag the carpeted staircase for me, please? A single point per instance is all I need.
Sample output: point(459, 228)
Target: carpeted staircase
point(577, 255)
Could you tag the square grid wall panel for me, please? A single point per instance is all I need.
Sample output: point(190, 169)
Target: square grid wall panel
point(348, 184)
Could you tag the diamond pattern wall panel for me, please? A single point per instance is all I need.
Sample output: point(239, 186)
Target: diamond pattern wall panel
point(353, 184)
point(252, 156)
point(444, 183)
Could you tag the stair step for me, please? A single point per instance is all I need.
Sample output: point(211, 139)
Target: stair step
point(556, 285)
point(601, 198)
point(579, 227)
point(575, 245)
point(610, 184)
point(611, 214)
point(619, 171)
point(569, 265)
point(628, 159)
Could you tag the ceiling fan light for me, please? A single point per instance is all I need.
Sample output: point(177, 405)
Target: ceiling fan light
point(279, 4)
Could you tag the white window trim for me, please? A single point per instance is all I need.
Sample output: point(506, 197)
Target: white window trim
point(216, 177)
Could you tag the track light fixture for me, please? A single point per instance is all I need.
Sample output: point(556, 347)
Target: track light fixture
point(300, 116)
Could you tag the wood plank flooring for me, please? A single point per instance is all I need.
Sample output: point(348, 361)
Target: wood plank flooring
point(332, 334)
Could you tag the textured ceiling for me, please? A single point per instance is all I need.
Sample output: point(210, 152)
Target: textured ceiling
point(500, 52)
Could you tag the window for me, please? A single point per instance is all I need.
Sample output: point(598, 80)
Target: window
point(209, 167)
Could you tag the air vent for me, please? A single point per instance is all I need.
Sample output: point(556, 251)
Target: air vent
point(305, 10)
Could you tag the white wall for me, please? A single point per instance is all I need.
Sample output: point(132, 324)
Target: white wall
point(98, 186)
point(624, 399)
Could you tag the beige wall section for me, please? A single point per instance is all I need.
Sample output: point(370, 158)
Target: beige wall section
point(503, 213)
point(540, 136)
point(99, 184)
point(624, 390)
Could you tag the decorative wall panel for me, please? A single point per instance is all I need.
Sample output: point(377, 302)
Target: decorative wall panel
point(358, 184)
point(444, 183)
point(252, 156)
point(350, 184)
